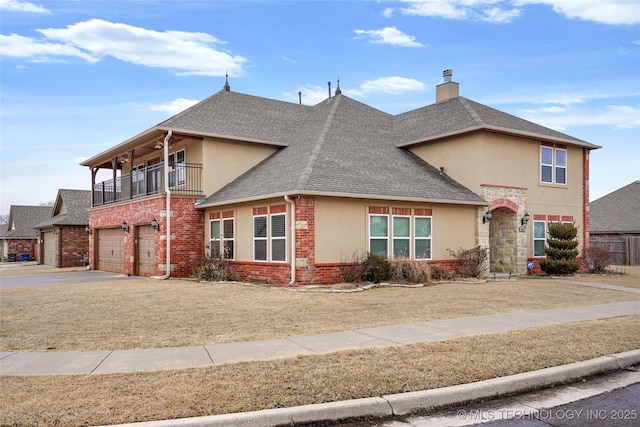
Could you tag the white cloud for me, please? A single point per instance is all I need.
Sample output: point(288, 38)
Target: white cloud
point(554, 109)
point(184, 52)
point(612, 12)
point(613, 116)
point(389, 85)
point(21, 6)
point(389, 35)
point(388, 12)
point(175, 106)
point(18, 46)
point(312, 95)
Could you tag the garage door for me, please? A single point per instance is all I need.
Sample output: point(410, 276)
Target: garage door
point(49, 249)
point(111, 250)
point(146, 251)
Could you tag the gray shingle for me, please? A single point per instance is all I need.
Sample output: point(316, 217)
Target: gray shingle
point(617, 212)
point(76, 203)
point(25, 218)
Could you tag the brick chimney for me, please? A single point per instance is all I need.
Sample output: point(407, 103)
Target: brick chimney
point(448, 89)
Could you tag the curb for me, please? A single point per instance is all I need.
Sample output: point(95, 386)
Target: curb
point(406, 403)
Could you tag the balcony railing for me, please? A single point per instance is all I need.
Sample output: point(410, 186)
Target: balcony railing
point(184, 178)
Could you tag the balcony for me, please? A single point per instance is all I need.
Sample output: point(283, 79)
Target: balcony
point(184, 178)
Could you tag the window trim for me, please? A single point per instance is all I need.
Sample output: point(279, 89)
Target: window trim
point(270, 239)
point(177, 169)
point(416, 238)
point(554, 166)
point(223, 239)
point(536, 239)
point(408, 238)
point(370, 237)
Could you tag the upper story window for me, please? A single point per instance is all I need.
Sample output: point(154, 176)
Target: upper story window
point(176, 168)
point(553, 165)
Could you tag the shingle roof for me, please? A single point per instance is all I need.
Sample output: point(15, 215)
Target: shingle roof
point(617, 212)
point(71, 208)
point(24, 219)
point(344, 148)
point(460, 115)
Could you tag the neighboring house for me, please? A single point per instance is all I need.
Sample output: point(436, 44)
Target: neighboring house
point(289, 192)
point(21, 239)
point(63, 236)
point(615, 223)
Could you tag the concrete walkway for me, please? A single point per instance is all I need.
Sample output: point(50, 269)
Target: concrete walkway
point(112, 361)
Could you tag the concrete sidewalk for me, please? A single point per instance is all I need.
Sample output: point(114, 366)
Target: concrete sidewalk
point(103, 362)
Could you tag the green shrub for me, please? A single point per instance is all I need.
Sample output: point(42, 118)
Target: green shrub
point(560, 250)
point(375, 269)
point(408, 271)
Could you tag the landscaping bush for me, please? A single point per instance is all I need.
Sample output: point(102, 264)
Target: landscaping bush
point(438, 272)
point(407, 271)
point(213, 269)
point(375, 269)
point(597, 259)
point(561, 252)
point(471, 262)
point(351, 270)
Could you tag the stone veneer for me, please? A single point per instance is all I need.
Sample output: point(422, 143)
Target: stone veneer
point(506, 240)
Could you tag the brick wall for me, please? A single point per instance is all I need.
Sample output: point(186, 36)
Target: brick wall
point(187, 232)
point(22, 246)
point(71, 245)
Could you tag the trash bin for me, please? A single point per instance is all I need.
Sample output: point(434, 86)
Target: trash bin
point(11, 257)
point(24, 257)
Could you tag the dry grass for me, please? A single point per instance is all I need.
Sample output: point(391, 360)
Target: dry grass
point(79, 400)
point(145, 313)
point(623, 275)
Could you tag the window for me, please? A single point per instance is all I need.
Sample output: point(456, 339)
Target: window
point(270, 237)
point(137, 176)
point(553, 165)
point(539, 238)
point(222, 241)
point(379, 235)
point(422, 240)
point(176, 168)
point(401, 237)
point(260, 238)
point(409, 236)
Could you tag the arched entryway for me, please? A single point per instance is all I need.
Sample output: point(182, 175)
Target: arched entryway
point(503, 241)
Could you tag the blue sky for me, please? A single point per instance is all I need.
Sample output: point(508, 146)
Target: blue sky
point(79, 76)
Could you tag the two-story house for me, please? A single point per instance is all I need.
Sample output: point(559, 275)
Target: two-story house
point(290, 193)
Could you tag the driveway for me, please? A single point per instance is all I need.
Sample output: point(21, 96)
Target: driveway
point(28, 279)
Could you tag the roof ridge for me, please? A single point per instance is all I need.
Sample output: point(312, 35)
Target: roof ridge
point(471, 111)
point(317, 148)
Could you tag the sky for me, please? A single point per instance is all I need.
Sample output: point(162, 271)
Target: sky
point(80, 76)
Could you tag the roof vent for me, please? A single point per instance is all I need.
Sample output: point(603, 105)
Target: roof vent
point(329, 84)
point(447, 74)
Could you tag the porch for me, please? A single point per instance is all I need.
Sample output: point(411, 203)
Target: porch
point(184, 178)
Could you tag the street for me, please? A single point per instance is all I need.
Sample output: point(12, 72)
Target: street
point(606, 400)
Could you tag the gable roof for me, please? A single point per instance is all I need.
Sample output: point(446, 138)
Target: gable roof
point(70, 208)
point(461, 115)
point(344, 148)
point(23, 219)
point(617, 212)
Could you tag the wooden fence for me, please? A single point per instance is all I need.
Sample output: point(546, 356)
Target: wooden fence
point(624, 249)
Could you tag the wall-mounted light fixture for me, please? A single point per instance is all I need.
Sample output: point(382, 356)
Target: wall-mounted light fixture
point(486, 217)
point(87, 229)
point(525, 219)
point(155, 224)
point(125, 226)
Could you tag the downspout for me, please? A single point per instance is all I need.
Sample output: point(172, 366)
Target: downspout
point(167, 191)
point(293, 237)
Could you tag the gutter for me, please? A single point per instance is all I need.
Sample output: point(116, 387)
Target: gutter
point(293, 237)
point(167, 227)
